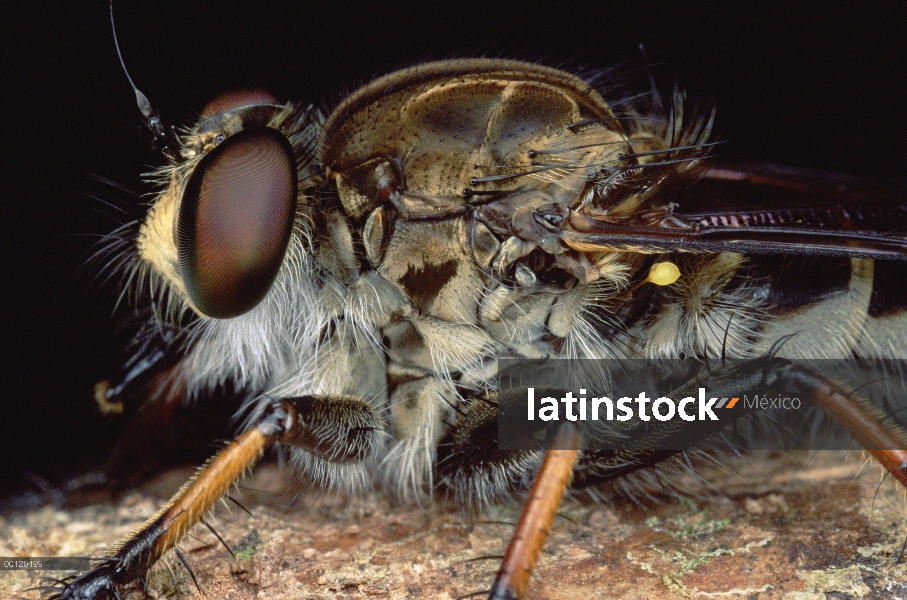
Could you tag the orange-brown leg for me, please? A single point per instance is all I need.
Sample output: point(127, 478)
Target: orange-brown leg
point(337, 429)
point(162, 532)
point(887, 443)
point(535, 522)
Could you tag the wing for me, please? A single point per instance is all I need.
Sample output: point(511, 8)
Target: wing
point(759, 209)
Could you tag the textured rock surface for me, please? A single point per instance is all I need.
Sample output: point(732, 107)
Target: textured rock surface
point(781, 529)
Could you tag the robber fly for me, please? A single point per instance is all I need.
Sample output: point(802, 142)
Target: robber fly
point(360, 272)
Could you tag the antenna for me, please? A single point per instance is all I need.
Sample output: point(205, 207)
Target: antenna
point(164, 138)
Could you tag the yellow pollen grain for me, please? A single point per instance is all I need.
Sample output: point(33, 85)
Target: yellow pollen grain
point(663, 273)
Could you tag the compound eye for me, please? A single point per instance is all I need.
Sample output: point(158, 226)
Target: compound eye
point(235, 221)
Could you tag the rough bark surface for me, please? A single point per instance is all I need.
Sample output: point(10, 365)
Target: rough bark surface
point(780, 528)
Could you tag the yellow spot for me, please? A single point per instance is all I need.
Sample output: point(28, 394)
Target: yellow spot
point(663, 273)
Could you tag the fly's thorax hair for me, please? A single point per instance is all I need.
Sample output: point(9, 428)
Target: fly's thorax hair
point(346, 361)
point(714, 309)
point(670, 137)
point(583, 318)
point(420, 412)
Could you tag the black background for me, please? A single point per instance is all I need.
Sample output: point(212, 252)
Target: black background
point(801, 85)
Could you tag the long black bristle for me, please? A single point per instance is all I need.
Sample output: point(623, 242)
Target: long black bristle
point(236, 502)
point(185, 562)
point(217, 535)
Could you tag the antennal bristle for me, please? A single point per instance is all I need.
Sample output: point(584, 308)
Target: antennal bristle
point(164, 139)
point(140, 98)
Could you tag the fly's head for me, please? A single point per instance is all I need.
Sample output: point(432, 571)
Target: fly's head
point(219, 231)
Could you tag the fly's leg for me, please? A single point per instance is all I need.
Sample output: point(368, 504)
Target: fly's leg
point(135, 555)
point(887, 442)
point(337, 429)
point(532, 530)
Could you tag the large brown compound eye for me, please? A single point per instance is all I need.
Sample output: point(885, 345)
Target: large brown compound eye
point(235, 221)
